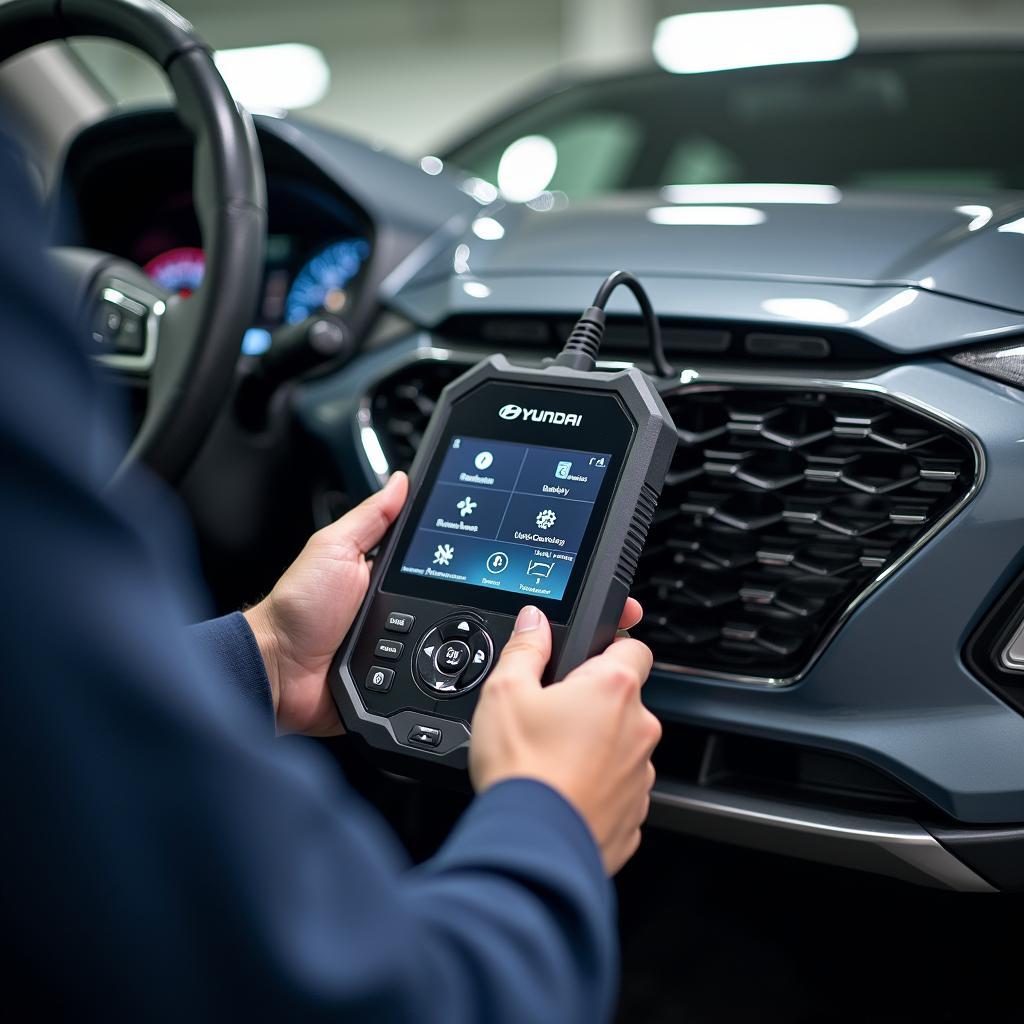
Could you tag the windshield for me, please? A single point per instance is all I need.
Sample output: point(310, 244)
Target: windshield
point(920, 121)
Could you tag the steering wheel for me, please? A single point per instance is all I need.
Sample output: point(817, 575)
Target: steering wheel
point(184, 350)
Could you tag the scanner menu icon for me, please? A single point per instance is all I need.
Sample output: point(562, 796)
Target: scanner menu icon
point(443, 554)
point(497, 562)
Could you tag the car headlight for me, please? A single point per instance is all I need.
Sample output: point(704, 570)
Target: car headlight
point(1002, 361)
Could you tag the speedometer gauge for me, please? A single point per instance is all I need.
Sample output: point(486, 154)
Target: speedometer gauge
point(178, 270)
point(322, 282)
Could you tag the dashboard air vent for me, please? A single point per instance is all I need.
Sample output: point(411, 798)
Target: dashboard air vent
point(403, 403)
point(781, 509)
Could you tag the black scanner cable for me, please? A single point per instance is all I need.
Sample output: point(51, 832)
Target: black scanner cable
point(580, 350)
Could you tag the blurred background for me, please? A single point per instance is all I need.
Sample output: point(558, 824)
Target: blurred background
point(410, 75)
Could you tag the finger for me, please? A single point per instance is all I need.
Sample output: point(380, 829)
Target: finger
point(364, 525)
point(624, 653)
point(643, 809)
point(653, 730)
point(648, 662)
point(632, 613)
point(528, 649)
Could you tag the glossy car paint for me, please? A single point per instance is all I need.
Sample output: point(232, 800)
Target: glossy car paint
point(900, 271)
point(915, 276)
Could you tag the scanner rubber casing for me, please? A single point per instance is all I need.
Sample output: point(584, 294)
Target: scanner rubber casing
point(608, 575)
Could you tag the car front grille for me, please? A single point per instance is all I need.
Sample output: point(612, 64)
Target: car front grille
point(782, 509)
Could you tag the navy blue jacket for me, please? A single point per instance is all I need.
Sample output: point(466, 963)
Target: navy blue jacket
point(162, 857)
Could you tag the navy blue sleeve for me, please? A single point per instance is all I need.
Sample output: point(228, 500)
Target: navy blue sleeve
point(164, 858)
point(229, 643)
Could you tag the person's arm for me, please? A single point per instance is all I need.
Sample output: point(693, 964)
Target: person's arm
point(171, 864)
point(229, 643)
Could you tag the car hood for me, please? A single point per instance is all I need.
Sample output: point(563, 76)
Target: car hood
point(848, 255)
point(860, 238)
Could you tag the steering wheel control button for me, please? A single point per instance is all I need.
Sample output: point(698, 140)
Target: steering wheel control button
point(424, 736)
point(452, 657)
point(119, 324)
point(400, 622)
point(131, 338)
point(390, 650)
point(379, 679)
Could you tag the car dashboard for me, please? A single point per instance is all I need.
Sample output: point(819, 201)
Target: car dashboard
point(134, 200)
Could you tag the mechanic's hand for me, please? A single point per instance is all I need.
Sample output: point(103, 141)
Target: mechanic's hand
point(589, 737)
point(302, 621)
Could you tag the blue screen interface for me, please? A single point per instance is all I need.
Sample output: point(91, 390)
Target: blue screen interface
point(507, 516)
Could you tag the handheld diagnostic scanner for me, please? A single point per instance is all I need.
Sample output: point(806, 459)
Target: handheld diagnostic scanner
point(533, 485)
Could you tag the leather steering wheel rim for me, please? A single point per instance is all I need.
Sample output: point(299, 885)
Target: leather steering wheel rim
point(196, 342)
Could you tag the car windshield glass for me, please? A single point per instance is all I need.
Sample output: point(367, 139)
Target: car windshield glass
point(913, 120)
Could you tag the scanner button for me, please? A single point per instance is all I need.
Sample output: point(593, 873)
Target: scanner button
point(440, 682)
point(481, 650)
point(458, 628)
point(425, 668)
point(424, 663)
point(452, 657)
point(379, 678)
point(424, 736)
point(399, 622)
point(389, 649)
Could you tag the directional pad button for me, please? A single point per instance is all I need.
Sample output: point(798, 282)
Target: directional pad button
point(453, 656)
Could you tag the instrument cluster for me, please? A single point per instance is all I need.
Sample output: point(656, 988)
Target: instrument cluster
point(306, 272)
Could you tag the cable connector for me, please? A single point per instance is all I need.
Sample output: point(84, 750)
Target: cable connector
point(580, 351)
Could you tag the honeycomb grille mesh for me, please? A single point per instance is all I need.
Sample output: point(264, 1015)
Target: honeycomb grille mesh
point(781, 507)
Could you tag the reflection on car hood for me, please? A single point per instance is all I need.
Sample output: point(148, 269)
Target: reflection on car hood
point(863, 238)
point(912, 271)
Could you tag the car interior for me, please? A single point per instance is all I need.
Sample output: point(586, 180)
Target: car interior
point(831, 581)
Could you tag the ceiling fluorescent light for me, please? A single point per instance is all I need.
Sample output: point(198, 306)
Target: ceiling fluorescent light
point(526, 168)
point(284, 76)
point(719, 40)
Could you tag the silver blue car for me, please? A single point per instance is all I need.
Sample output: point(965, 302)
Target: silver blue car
point(833, 584)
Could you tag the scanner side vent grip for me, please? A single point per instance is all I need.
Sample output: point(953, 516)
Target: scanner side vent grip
point(636, 535)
